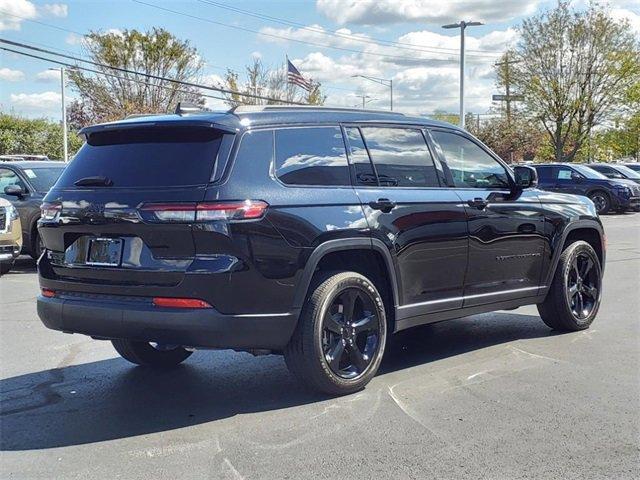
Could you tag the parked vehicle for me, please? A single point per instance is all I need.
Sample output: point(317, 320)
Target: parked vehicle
point(10, 236)
point(616, 171)
point(606, 194)
point(311, 232)
point(23, 157)
point(24, 184)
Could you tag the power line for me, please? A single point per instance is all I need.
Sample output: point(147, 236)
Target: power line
point(147, 75)
point(370, 40)
point(77, 67)
point(282, 37)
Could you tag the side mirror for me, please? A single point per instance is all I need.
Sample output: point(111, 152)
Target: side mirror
point(14, 190)
point(526, 177)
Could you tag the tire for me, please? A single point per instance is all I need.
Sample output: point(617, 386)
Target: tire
point(575, 292)
point(36, 246)
point(601, 200)
point(145, 354)
point(5, 267)
point(339, 353)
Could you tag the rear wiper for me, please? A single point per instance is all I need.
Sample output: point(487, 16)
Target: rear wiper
point(94, 182)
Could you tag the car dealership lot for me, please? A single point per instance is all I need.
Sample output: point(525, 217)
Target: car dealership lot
point(496, 396)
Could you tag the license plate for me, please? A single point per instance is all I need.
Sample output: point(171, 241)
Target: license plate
point(105, 252)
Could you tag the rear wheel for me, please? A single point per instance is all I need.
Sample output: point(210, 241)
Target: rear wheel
point(601, 200)
point(340, 338)
point(574, 296)
point(150, 354)
point(5, 267)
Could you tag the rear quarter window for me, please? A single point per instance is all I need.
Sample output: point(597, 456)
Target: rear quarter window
point(311, 156)
point(147, 157)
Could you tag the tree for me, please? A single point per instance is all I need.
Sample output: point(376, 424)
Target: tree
point(155, 52)
point(269, 83)
point(574, 69)
point(519, 139)
point(34, 136)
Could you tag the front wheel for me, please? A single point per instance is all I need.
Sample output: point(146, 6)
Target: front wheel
point(340, 338)
point(150, 354)
point(601, 200)
point(574, 295)
point(5, 267)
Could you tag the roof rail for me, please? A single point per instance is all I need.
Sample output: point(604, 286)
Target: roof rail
point(139, 115)
point(263, 108)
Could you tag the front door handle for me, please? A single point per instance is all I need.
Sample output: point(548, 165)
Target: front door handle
point(479, 203)
point(383, 204)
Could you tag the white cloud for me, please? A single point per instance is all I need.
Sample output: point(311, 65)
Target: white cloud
point(376, 12)
point(47, 76)
point(256, 55)
point(74, 39)
point(9, 75)
point(59, 10)
point(35, 101)
point(14, 12)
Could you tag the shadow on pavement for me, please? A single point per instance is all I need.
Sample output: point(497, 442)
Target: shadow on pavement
point(24, 264)
point(110, 399)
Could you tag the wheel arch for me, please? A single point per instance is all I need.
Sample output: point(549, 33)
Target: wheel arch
point(590, 231)
point(347, 254)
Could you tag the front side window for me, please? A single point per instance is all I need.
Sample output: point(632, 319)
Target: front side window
point(359, 158)
point(470, 165)
point(311, 156)
point(567, 174)
point(9, 177)
point(401, 157)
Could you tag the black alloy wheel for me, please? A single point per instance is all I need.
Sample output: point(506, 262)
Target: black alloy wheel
point(351, 333)
point(583, 286)
point(601, 202)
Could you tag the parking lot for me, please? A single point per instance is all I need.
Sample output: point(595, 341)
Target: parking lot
point(492, 396)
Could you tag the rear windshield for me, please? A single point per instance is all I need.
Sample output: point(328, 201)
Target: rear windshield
point(147, 157)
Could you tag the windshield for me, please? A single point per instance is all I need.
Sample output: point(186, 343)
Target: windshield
point(627, 172)
point(589, 172)
point(43, 178)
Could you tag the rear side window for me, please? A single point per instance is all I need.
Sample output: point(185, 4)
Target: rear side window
point(42, 179)
point(311, 156)
point(147, 157)
point(401, 157)
point(545, 174)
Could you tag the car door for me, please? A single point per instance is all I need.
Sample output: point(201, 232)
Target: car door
point(8, 176)
point(506, 230)
point(569, 180)
point(407, 207)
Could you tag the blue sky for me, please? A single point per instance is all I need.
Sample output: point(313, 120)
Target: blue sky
point(423, 62)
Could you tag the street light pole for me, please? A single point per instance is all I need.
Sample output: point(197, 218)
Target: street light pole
point(462, 26)
point(381, 81)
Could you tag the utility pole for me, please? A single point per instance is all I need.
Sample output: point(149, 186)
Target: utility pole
point(462, 26)
point(381, 81)
point(365, 99)
point(65, 146)
point(508, 98)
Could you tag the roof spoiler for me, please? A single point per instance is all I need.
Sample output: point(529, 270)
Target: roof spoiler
point(187, 107)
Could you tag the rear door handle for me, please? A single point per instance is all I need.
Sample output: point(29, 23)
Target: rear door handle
point(479, 203)
point(383, 204)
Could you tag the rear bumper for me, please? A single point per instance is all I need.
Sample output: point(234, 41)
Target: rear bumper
point(138, 319)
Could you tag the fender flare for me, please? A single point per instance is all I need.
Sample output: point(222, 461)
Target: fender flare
point(577, 224)
point(338, 245)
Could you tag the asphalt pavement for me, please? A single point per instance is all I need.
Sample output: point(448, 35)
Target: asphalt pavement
point(497, 396)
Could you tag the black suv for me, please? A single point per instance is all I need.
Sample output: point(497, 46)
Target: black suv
point(606, 193)
point(310, 232)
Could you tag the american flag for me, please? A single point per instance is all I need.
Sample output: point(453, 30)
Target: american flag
point(295, 77)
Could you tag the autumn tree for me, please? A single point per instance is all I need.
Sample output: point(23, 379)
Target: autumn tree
point(115, 94)
point(269, 83)
point(574, 69)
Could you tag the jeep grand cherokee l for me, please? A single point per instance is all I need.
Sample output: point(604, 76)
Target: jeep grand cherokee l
point(311, 232)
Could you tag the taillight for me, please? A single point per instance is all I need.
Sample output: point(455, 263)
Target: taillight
point(203, 212)
point(169, 302)
point(50, 211)
point(46, 292)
